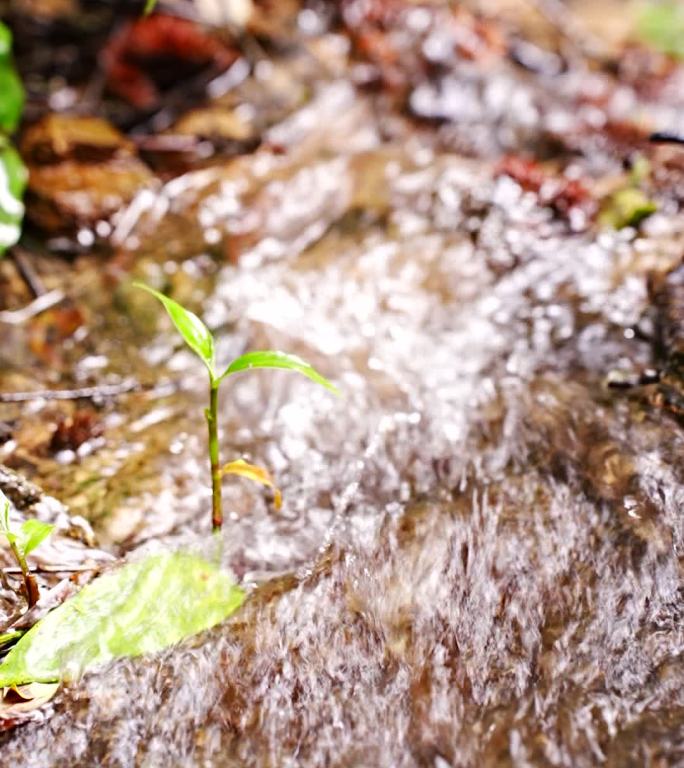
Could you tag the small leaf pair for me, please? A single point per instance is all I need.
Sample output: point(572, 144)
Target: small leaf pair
point(198, 337)
point(31, 535)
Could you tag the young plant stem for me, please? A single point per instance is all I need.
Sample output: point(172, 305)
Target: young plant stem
point(212, 423)
point(30, 583)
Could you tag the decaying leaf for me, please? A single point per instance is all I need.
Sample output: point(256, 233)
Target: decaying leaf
point(255, 473)
point(81, 170)
point(139, 609)
point(22, 703)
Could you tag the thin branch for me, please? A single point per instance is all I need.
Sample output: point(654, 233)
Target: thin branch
point(55, 569)
point(664, 137)
point(43, 302)
point(22, 261)
point(84, 393)
point(101, 392)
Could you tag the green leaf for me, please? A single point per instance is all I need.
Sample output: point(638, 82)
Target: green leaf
point(661, 25)
point(273, 359)
point(5, 41)
point(11, 90)
point(11, 98)
point(627, 207)
point(33, 534)
point(13, 178)
point(4, 516)
point(194, 332)
point(149, 6)
point(8, 638)
point(5, 528)
point(139, 609)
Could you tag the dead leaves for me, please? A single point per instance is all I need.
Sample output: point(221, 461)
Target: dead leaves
point(81, 170)
point(21, 703)
point(256, 474)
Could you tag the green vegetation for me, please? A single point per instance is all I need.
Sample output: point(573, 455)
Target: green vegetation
point(149, 605)
point(629, 205)
point(198, 337)
point(141, 608)
point(31, 535)
point(13, 174)
point(661, 25)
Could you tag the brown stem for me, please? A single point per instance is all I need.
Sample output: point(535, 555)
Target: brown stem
point(31, 590)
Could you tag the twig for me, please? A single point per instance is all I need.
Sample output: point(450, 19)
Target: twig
point(101, 392)
point(53, 597)
point(84, 393)
point(43, 302)
point(166, 143)
point(664, 137)
point(22, 262)
point(55, 569)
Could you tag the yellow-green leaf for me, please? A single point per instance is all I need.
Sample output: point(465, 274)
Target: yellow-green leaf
point(22, 699)
point(194, 332)
point(5, 527)
point(139, 609)
point(257, 474)
point(33, 534)
point(627, 207)
point(274, 359)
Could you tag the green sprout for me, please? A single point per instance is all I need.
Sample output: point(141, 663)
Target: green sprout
point(198, 337)
point(31, 535)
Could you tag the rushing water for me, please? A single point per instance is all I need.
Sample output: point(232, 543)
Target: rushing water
point(478, 557)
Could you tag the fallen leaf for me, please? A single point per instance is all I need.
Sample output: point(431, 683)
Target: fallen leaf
point(139, 609)
point(19, 704)
point(255, 473)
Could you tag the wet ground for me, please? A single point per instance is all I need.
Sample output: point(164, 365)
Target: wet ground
point(478, 557)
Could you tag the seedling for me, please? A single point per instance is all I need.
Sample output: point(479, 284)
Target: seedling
point(198, 337)
point(31, 535)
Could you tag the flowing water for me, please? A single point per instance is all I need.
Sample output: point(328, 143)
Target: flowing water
point(478, 560)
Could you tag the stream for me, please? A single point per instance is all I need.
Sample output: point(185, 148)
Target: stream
point(477, 561)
